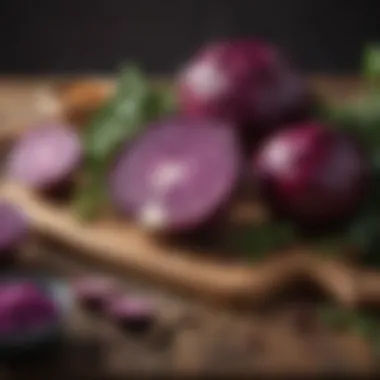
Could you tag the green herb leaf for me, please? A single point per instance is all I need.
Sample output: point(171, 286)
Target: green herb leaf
point(331, 246)
point(134, 104)
point(361, 113)
point(256, 241)
point(336, 318)
point(361, 116)
point(160, 102)
point(371, 62)
point(364, 323)
point(121, 118)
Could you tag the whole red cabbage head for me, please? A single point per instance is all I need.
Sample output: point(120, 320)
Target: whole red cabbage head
point(248, 82)
point(312, 173)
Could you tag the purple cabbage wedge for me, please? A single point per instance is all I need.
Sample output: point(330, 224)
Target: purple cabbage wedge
point(45, 156)
point(24, 309)
point(248, 82)
point(13, 226)
point(178, 175)
point(312, 173)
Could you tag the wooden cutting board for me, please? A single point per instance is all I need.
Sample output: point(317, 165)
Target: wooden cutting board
point(190, 337)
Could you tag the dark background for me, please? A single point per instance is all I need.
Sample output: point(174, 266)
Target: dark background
point(96, 35)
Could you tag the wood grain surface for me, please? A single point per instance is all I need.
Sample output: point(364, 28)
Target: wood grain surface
point(189, 338)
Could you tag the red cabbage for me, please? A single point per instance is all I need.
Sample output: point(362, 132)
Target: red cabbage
point(248, 82)
point(177, 175)
point(312, 173)
point(24, 308)
point(45, 156)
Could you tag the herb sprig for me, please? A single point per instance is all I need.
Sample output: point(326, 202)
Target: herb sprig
point(135, 103)
point(361, 116)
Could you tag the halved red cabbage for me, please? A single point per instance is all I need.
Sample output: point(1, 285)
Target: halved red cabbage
point(24, 309)
point(44, 156)
point(177, 175)
point(311, 172)
point(13, 226)
point(248, 82)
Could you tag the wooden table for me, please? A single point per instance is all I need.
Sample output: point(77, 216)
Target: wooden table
point(189, 337)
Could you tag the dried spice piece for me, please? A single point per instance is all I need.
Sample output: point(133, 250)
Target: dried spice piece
point(95, 292)
point(134, 313)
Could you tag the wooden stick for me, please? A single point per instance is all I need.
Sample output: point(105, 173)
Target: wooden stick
point(125, 247)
